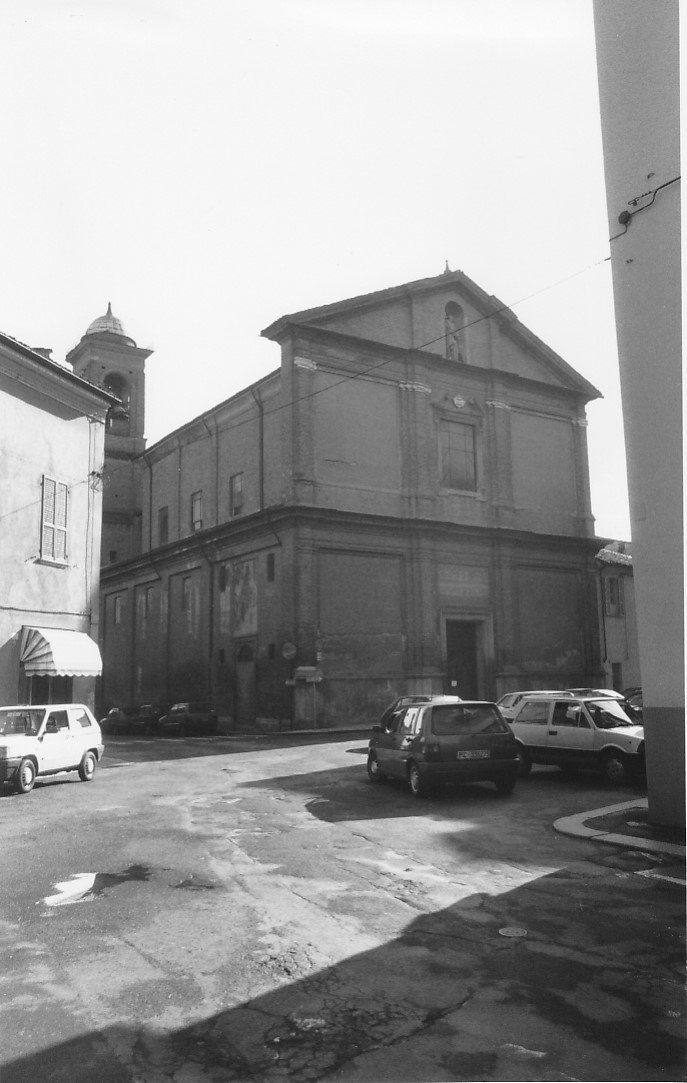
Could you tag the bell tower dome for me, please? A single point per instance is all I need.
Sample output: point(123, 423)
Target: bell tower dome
point(110, 358)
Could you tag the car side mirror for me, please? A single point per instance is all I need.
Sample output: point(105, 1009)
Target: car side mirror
point(377, 729)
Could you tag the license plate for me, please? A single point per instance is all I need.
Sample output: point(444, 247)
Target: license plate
point(475, 754)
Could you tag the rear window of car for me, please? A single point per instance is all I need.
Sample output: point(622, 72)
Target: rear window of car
point(82, 718)
point(533, 711)
point(456, 719)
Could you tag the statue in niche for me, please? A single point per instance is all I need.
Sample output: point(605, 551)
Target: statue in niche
point(453, 332)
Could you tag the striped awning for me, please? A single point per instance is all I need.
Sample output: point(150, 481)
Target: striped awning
point(58, 652)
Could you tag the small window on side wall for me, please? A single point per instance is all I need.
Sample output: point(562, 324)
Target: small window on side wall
point(197, 511)
point(270, 567)
point(614, 596)
point(236, 494)
point(163, 525)
point(54, 520)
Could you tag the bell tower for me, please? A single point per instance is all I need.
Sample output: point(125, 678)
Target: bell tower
point(108, 357)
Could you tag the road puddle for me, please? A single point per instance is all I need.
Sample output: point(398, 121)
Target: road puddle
point(82, 887)
point(86, 886)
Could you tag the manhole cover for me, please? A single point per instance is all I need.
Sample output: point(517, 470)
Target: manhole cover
point(512, 930)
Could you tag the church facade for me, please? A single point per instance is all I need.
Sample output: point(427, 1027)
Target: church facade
point(402, 505)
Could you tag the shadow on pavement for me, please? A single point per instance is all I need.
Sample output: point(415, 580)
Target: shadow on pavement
point(565, 977)
point(125, 749)
point(344, 793)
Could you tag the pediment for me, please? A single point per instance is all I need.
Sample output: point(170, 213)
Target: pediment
point(450, 317)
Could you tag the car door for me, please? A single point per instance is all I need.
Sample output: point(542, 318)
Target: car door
point(56, 743)
point(385, 742)
point(83, 731)
point(569, 734)
point(396, 743)
point(530, 727)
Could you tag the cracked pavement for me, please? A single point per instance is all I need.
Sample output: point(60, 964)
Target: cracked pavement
point(224, 911)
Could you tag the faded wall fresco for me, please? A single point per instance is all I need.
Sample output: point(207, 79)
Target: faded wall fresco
point(549, 620)
point(244, 599)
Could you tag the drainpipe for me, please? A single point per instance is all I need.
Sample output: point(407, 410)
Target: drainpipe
point(603, 620)
point(261, 438)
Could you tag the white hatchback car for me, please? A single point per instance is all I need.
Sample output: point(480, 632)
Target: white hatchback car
point(44, 740)
point(580, 731)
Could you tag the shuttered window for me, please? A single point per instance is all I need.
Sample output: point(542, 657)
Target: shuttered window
point(54, 520)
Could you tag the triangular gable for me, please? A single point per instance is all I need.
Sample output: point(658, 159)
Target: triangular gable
point(413, 316)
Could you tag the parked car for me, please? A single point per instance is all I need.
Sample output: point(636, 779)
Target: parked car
point(44, 740)
point(142, 719)
point(508, 704)
point(147, 718)
point(596, 692)
point(580, 731)
point(118, 720)
point(635, 700)
point(444, 739)
point(188, 720)
point(399, 705)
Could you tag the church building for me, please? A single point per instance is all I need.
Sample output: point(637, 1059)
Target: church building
point(402, 505)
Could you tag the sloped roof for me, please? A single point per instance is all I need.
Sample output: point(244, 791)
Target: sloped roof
point(616, 553)
point(489, 305)
point(54, 367)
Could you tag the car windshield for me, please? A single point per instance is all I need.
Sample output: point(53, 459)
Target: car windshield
point(608, 714)
point(23, 721)
point(458, 719)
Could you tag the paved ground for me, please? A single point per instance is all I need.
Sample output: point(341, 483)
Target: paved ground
point(233, 910)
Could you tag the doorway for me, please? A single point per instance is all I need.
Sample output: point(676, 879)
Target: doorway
point(462, 637)
point(245, 685)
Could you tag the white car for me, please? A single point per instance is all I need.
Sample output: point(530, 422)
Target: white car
point(508, 704)
point(44, 740)
point(579, 731)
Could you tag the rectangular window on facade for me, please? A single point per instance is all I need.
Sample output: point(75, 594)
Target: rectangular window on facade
point(457, 458)
point(186, 593)
point(149, 595)
point(236, 494)
point(197, 510)
point(617, 671)
point(117, 609)
point(270, 567)
point(614, 596)
point(163, 526)
point(54, 520)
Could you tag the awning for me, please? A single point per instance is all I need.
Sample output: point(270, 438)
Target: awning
point(57, 652)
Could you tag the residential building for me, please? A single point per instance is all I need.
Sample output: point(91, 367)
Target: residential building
point(618, 617)
point(52, 449)
point(402, 505)
point(639, 84)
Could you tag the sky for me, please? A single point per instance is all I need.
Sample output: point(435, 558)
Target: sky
point(209, 167)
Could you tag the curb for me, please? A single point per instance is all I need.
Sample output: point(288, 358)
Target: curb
point(575, 825)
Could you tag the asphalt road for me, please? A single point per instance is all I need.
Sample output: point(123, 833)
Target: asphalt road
point(210, 909)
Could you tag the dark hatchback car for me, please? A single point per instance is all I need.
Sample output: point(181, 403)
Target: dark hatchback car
point(142, 719)
point(188, 720)
point(445, 740)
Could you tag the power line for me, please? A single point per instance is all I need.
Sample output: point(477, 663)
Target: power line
point(352, 376)
point(380, 364)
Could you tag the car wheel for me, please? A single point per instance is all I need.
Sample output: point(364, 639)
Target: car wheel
point(87, 767)
point(374, 771)
point(418, 785)
point(26, 776)
point(504, 785)
point(524, 761)
point(615, 769)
